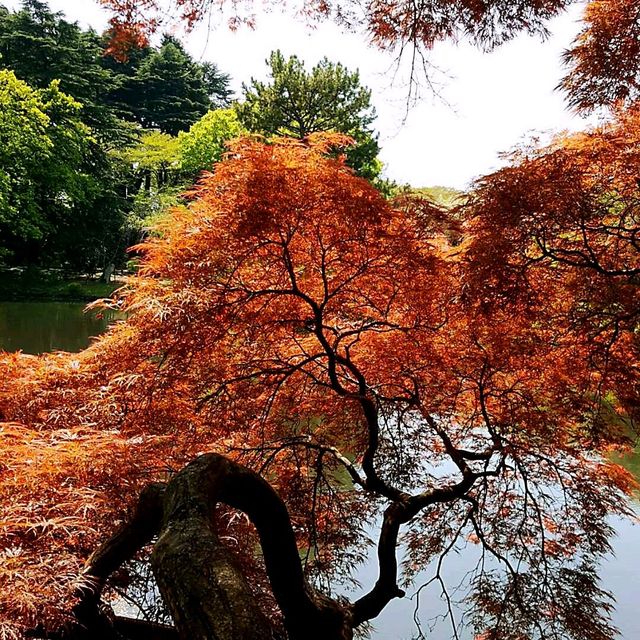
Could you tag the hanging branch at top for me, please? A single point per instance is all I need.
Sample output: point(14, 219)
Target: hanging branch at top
point(603, 67)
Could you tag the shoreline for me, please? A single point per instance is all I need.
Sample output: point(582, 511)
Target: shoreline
point(42, 286)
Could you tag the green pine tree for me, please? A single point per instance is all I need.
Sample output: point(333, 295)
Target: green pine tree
point(172, 91)
point(297, 103)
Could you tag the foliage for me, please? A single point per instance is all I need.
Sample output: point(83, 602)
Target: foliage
point(205, 142)
point(57, 204)
point(101, 203)
point(155, 151)
point(73, 203)
point(170, 91)
point(603, 62)
point(150, 81)
point(391, 24)
point(90, 237)
point(445, 374)
point(39, 131)
point(154, 182)
point(292, 319)
point(569, 218)
point(24, 145)
point(216, 83)
point(297, 103)
point(123, 95)
point(41, 46)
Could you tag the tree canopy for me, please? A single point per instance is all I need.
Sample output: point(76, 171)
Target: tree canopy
point(569, 218)
point(40, 46)
point(303, 329)
point(50, 181)
point(297, 103)
point(205, 142)
point(603, 62)
point(159, 87)
point(170, 91)
point(80, 210)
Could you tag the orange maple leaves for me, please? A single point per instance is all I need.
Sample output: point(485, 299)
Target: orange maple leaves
point(568, 249)
point(603, 61)
point(292, 317)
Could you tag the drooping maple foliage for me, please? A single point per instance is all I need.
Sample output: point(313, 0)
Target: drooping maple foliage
point(390, 23)
point(568, 217)
point(384, 369)
point(603, 61)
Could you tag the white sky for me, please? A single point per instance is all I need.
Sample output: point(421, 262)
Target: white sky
point(491, 101)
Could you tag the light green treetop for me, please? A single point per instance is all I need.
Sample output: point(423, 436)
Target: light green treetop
point(205, 142)
point(155, 150)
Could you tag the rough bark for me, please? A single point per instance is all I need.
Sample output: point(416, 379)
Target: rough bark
point(206, 592)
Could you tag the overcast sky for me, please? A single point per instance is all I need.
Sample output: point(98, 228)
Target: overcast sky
point(489, 102)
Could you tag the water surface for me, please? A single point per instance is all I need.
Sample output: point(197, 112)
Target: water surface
point(40, 327)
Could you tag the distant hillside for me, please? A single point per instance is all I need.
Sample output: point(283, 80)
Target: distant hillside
point(444, 196)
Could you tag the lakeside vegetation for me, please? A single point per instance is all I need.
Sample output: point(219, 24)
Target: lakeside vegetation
point(93, 148)
point(33, 284)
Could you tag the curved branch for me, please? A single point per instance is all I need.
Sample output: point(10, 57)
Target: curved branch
point(386, 588)
point(213, 478)
point(140, 529)
point(206, 592)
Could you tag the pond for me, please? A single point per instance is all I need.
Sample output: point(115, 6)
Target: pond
point(620, 574)
point(38, 327)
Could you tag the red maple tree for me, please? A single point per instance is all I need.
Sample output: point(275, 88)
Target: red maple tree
point(299, 350)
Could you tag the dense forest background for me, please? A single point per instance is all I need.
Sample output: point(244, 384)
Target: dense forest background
point(93, 148)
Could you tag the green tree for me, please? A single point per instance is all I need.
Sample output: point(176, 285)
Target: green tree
point(57, 202)
point(216, 83)
point(297, 103)
point(203, 145)
point(41, 46)
point(123, 96)
point(160, 88)
point(156, 155)
point(24, 147)
point(170, 91)
point(83, 209)
point(92, 233)
point(155, 180)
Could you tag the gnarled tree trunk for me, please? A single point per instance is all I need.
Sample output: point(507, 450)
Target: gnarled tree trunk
point(206, 592)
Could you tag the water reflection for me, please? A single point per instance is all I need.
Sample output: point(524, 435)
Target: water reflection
point(39, 327)
point(619, 573)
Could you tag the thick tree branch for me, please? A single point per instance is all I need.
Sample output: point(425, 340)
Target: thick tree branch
point(205, 591)
point(386, 588)
point(139, 530)
point(243, 489)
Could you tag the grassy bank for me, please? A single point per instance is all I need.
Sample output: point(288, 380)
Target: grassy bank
point(17, 285)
